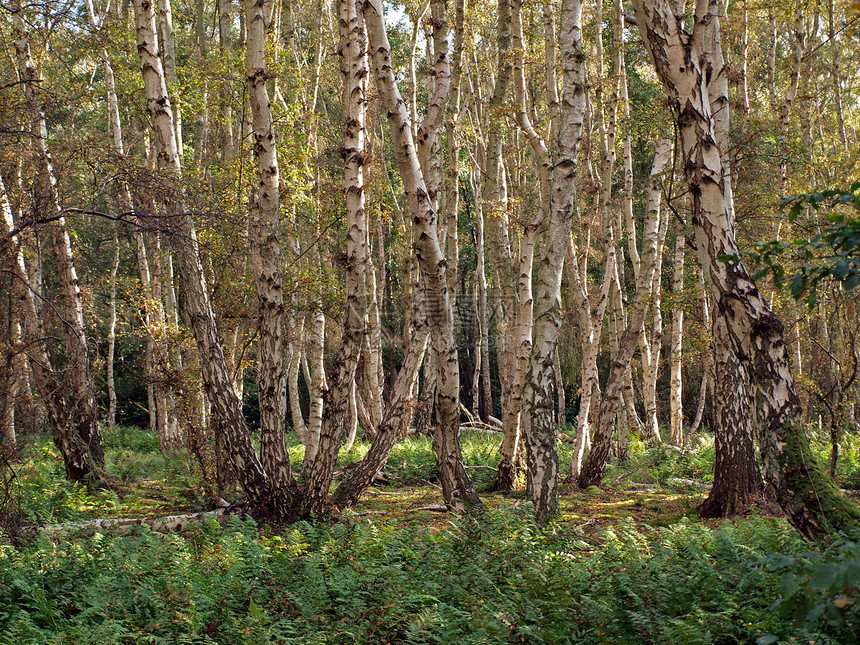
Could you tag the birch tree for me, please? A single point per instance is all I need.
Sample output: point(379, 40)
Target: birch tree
point(226, 407)
point(83, 418)
point(456, 487)
point(539, 430)
point(810, 499)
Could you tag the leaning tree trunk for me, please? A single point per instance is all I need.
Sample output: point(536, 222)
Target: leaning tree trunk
point(82, 401)
point(399, 407)
point(226, 408)
point(806, 493)
point(456, 487)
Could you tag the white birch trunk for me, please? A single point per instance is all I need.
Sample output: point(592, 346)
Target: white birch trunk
point(168, 57)
point(456, 487)
point(354, 66)
point(595, 465)
point(111, 385)
point(85, 412)
point(539, 431)
point(676, 413)
point(811, 501)
point(226, 407)
point(264, 232)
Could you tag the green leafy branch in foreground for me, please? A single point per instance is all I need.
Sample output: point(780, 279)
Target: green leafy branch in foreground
point(831, 255)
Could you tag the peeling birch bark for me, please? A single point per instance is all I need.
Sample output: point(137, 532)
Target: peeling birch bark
point(82, 408)
point(539, 431)
point(808, 496)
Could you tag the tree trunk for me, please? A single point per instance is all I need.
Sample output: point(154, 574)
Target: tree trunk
point(77, 458)
point(168, 57)
point(591, 325)
point(399, 408)
point(336, 402)
point(295, 363)
point(456, 487)
point(540, 433)
point(595, 465)
point(485, 396)
point(264, 235)
point(676, 413)
point(70, 307)
point(808, 496)
point(226, 407)
point(111, 384)
point(737, 481)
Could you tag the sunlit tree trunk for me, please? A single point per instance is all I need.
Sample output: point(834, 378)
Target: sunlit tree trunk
point(452, 186)
point(485, 403)
point(168, 58)
point(111, 384)
point(834, 76)
point(317, 383)
point(540, 433)
point(226, 407)
point(676, 413)
point(373, 374)
point(502, 261)
point(295, 364)
point(456, 487)
point(707, 367)
point(225, 38)
point(354, 66)
point(591, 325)
point(808, 496)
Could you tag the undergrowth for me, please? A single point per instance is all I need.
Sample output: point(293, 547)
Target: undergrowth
point(492, 580)
point(497, 580)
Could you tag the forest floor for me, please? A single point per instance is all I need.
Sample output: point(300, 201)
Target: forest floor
point(627, 563)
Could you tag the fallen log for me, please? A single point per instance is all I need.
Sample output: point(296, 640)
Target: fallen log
point(128, 525)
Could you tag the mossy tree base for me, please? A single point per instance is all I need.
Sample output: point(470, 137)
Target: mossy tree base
point(810, 498)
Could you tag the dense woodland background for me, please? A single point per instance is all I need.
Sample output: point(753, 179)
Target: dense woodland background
point(274, 233)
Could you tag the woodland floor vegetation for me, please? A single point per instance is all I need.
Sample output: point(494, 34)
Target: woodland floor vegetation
point(355, 265)
point(624, 564)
